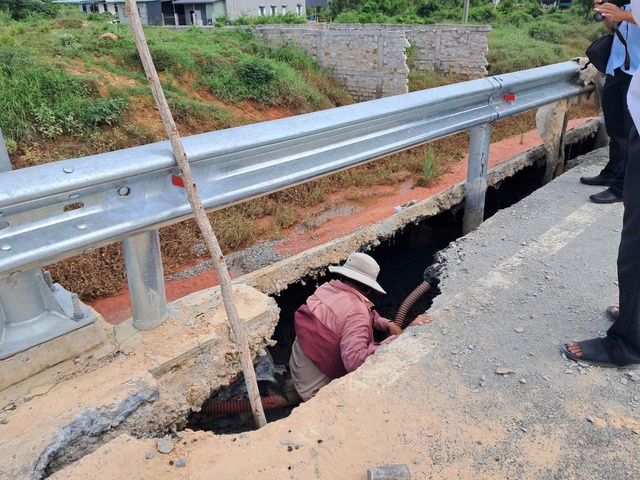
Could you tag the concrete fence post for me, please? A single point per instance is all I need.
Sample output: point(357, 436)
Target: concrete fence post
point(145, 276)
point(476, 185)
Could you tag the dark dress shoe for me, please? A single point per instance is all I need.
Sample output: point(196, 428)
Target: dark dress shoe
point(598, 180)
point(605, 197)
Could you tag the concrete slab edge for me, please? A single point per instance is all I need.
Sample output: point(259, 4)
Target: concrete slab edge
point(34, 360)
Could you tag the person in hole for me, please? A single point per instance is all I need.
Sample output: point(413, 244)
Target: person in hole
point(334, 328)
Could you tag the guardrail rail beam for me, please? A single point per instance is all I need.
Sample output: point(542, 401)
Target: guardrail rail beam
point(58, 210)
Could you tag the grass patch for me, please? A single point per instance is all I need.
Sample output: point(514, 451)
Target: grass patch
point(286, 217)
point(430, 169)
point(532, 52)
point(430, 79)
point(49, 88)
point(193, 113)
point(37, 99)
point(527, 38)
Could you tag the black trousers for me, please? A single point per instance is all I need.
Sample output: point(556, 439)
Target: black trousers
point(623, 338)
point(618, 123)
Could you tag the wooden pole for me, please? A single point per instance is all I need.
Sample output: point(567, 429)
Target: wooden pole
point(201, 217)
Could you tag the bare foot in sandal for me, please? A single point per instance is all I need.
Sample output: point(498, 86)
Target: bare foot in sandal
point(575, 349)
point(591, 351)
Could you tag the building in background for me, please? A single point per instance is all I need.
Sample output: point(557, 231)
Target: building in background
point(191, 12)
point(92, 6)
point(259, 8)
point(150, 11)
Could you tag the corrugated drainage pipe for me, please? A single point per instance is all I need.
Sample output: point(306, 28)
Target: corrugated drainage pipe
point(408, 303)
point(242, 406)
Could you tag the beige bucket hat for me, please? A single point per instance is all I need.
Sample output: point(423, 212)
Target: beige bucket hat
point(361, 268)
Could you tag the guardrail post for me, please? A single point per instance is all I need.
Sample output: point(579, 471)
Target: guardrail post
point(476, 185)
point(146, 280)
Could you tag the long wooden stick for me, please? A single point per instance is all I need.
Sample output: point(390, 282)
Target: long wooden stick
point(201, 217)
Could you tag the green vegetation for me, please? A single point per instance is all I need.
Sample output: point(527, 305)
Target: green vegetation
point(443, 11)
point(53, 70)
point(63, 78)
point(39, 99)
point(286, 18)
point(430, 170)
point(24, 9)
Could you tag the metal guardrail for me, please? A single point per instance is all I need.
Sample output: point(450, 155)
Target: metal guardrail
point(55, 211)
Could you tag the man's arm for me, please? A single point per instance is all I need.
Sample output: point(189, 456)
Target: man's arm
point(385, 325)
point(356, 343)
point(421, 319)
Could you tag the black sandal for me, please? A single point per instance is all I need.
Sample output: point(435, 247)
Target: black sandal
point(593, 353)
point(613, 312)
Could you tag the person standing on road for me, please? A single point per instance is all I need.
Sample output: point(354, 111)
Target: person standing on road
point(621, 346)
point(617, 119)
point(334, 328)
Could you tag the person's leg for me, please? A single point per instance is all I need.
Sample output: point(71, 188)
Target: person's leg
point(617, 121)
point(617, 187)
point(614, 94)
point(622, 343)
point(615, 191)
point(623, 338)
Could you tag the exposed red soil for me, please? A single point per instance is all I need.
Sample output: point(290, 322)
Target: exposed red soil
point(383, 199)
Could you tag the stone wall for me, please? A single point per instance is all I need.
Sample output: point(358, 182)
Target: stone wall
point(449, 49)
point(371, 60)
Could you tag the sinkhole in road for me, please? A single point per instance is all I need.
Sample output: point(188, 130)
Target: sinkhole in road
point(403, 260)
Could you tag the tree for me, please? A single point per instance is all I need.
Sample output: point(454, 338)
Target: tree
point(427, 7)
point(336, 7)
point(401, 7)
point(21, 9)
point(584, 7)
